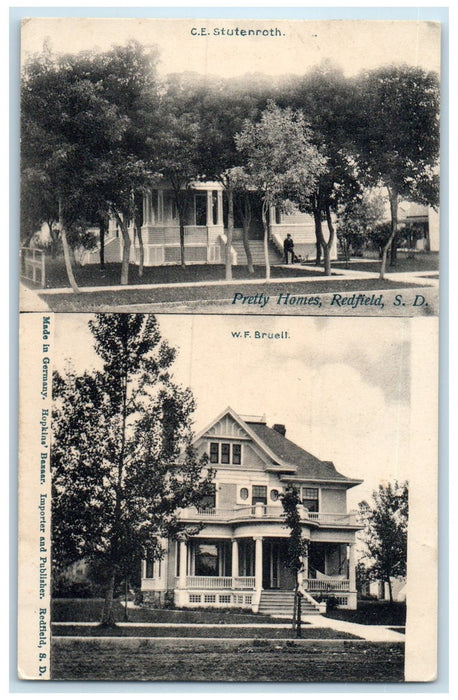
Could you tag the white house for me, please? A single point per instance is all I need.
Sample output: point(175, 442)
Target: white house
point(238, 557)
point(206, 229)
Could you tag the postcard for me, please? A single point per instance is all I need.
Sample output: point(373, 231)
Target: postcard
point(229, 347)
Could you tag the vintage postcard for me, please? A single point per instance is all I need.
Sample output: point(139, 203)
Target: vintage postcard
point(229, 350)
point(213, 166)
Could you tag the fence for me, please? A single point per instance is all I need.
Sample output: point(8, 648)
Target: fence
point(33, 266)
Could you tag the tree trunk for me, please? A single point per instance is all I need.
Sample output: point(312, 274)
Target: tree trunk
point(182, 252)
point(318, 234)
point(393, 196)
point(327, 247)
point(246, 215)
point(390, 589)
point(230, 231)
point(54, 239)
point(266, 237)
point(66, 249)
point(125, 249)
point(299, 615)
point(108, 613)
point(394, 251)
point(141, 250)
point(102, 243)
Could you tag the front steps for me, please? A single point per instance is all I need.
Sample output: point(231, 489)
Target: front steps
point(281, 604)
point(257, 253)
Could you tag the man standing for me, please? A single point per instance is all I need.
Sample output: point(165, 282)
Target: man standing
point(288, 248)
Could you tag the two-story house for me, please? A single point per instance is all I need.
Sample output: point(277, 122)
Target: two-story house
point(237, 559)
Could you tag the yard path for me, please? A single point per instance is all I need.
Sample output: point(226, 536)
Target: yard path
point(371, 633)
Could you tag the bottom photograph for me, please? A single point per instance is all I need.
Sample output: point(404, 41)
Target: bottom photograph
point(231, 499)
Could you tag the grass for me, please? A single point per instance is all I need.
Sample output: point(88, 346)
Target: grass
point(220, 632)
point(419, 263)
point(373, 612)
point(92, 276)
point(90, 610)
point(257, 661)
point(106, 299)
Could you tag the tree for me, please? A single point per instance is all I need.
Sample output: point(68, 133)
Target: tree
point(223, 107)
point(175, 147)
point(278, 158)
point(84, 128)
point(398, 138)
point(327, 99)
point(358, 219)
point(122, 459)
point(297, 546)
point(385, 533)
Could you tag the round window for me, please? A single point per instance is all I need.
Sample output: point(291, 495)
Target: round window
point(274, 495)
point(243, 494)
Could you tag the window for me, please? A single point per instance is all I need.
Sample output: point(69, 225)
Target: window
point(236, 454)
point(310, 499)
point(225, 453)
point(201, 208)
point(153, 569)
point(215, 207)
point(274, 495)
point(243, 494)
point(259, 495)
point(209, 501)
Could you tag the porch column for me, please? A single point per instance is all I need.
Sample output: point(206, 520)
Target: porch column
point(352, 568)
point(305, 564)
point(235, 559)
point(148, 213)
point(220, 208)
point(209, 208)
point(183, 562)
point(258, 563)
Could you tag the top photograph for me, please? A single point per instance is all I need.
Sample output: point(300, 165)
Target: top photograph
point(230, 166)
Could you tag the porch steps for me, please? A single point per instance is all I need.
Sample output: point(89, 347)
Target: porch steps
point(257, 253)
point(281, 604)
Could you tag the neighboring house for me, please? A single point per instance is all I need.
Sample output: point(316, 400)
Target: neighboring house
point(238, 557)
point(423, 223)
point(380, 590)
point(206, 230)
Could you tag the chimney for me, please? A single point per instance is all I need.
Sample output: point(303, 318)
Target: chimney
point(279, 428)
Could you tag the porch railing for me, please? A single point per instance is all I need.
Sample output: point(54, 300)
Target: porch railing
point(329, 584)
point(266, 512)
point(220, 582)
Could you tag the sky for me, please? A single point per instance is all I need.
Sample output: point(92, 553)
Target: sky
point(352, 44)
point(341, 386)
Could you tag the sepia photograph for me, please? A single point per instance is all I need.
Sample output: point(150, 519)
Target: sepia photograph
point(233, 500)
point(230, 166)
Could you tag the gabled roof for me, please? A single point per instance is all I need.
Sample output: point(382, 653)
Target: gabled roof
point(287, 457)
point(307, 466)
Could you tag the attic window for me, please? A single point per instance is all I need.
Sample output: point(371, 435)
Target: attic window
point(236, 454)
point(225, 453)
point(214, 452)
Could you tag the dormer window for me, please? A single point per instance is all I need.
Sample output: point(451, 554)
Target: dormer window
point(225, 453)
point(214, 452)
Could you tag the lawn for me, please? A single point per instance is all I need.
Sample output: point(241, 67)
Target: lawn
point(93, 276)
point(420, 263)
point(220, 632)
point(373, 612)
point(258, 661)
point(90, 610)
point(110, 300)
